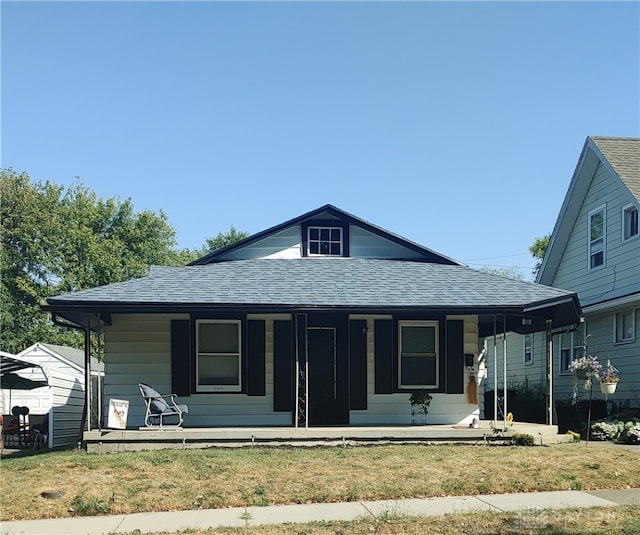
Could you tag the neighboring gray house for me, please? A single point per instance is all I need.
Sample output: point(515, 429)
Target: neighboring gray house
point(594, 251)
point(322, 320)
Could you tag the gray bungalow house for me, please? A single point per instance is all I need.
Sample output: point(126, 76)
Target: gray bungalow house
point(594, 250)
point(323, 320)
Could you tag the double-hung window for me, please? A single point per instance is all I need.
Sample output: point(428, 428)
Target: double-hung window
point(629, 222)
point(625, 326)
point(596, 237)
point(218, 355)
point(418, 354)
point(528, 349)
point(571, 348)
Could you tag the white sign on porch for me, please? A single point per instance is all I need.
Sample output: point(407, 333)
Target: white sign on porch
point(118, 412)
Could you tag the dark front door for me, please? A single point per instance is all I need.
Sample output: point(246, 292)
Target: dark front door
point(328, 372)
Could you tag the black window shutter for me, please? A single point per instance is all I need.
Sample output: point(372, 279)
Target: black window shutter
point(455, 357)
point(383, 355)
point(255, 358)
point(358, 364)
point(282, 366)
point(180, 357)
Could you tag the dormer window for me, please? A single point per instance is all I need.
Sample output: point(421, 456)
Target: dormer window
point(324, 241)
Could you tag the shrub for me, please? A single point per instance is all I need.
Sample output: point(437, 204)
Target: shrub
point(633, 435)
point(616, 430)
point(522, 439)
point(605, 430)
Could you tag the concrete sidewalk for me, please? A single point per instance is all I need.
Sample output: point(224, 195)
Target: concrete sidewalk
point(280, 514)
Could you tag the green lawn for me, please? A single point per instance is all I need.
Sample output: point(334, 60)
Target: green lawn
point(214, 478)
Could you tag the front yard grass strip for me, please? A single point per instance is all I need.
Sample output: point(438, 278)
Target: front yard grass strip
point(171, 480)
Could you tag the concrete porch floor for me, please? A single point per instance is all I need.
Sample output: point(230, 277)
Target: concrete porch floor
point(111, 440)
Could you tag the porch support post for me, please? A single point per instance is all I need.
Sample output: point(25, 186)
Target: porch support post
point(504, 370)
point(87, 374)
point(550, 372)
point(302, 373)
point(495, 371)
point(99, 398)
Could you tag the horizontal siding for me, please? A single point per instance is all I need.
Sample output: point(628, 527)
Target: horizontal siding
point(600, 327)
point(395, 409)
point(284, 244)
point(390, 409)
point(38, 355)
point(365, 244)
point(287, 244)
point(621, 272)
point(625, 357)
point(517, 371)
point(67, 409)
point(63, 399)
point(131, 363)
point(66, 387)
point(128, 364)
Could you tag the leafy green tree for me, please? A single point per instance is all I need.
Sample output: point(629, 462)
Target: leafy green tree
point(223, 239)
point(220, 240)
point(512, 272)
point(538, 249)
point(55, 240)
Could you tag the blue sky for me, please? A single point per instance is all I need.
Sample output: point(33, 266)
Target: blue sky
point(457, 125)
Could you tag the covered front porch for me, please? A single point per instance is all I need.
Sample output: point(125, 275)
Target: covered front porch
point(108, 441)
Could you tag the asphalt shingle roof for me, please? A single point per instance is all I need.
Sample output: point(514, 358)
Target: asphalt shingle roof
point(624, 156)
point(74, 355)
point(318, 282)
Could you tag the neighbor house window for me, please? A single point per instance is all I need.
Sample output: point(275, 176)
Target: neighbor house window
point(418, 354)
point(325, 241)
point(596, 237)
point(571, 348)
point(218, 355)
point(629, 222)
point(625, 326)
point(528, 348)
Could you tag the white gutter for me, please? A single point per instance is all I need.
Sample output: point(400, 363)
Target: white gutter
point(606, 305)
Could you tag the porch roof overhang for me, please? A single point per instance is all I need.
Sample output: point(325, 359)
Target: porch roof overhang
point(357, 286)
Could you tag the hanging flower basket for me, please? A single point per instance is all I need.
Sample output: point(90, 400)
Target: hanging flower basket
point(586, 367)
point(609, 378)
point(608, 388)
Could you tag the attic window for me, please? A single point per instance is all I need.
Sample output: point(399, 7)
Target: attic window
point(324, 241)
